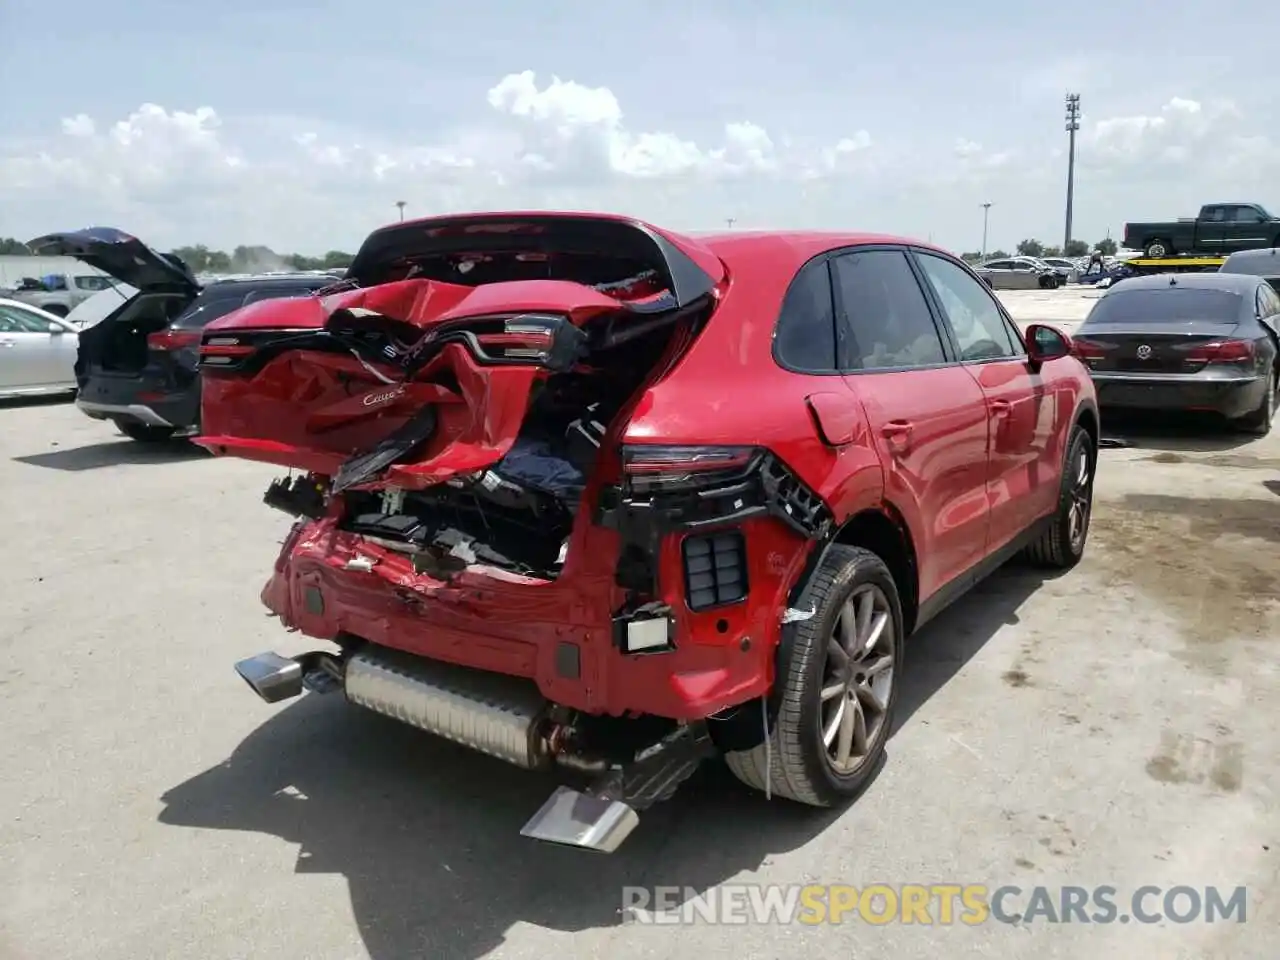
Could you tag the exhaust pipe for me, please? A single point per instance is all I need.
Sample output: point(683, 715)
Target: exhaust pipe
point(500, 716)
point(271, 676)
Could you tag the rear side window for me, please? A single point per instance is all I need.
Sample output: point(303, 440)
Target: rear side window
point(979, 327)
point(91, 282)
point(214, 304)
point(1156, 304)
point(1268, 301)
point(805, 338)
point(13, 320)
point(887, 317)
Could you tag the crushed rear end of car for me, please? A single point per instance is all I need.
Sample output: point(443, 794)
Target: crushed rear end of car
point(498, 560)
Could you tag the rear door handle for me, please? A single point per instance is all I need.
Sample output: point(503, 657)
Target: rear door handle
point(6, 343)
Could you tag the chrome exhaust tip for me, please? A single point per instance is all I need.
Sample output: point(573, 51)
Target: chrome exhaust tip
point(271, 676)
point(574, 819)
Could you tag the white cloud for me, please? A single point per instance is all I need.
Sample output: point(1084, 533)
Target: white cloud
point(193, 176)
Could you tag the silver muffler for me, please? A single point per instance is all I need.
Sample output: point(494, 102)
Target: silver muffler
point(495, 714)
point(503, 717)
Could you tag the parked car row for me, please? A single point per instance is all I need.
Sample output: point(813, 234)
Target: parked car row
point(511, 531)
point(492, 411)
point(1029, 273)
point(134, 350)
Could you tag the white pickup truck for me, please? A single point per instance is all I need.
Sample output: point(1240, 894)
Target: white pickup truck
point(59, 293)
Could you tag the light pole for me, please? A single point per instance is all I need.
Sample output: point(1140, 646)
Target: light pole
point(401, 204)
point(731, 221)
point(986, 212)
point(1073, 124)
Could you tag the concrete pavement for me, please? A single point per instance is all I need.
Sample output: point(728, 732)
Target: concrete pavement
point(1115, 725)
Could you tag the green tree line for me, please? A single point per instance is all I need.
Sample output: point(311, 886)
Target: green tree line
point(243, 259)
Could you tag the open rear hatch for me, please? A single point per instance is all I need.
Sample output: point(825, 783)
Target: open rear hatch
point(118, 346)
point(450, 342)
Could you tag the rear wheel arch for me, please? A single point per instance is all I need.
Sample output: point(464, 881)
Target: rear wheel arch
point(1087, 417)
point(884, 532)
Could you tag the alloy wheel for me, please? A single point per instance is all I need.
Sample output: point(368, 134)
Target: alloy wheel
point(1081, 501)
point(857, 679)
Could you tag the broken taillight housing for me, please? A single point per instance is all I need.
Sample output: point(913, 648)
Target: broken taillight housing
point(653, 469)
point(1220, 351)
point(526, 337)
point(170, 339)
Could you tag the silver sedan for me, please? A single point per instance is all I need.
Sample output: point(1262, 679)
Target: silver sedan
point(37, 351)
point(1018, 273)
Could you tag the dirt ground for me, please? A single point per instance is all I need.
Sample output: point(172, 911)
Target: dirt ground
point(1113, 725)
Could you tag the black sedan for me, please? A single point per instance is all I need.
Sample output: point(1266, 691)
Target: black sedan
point(1200, 341)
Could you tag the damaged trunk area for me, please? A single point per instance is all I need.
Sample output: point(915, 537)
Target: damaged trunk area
point(518, 514)
point(450, 398)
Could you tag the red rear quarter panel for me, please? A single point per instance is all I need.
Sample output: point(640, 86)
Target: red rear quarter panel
point(727, 389)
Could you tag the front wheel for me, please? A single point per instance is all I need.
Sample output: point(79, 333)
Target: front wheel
point(1061, 545)
point(838, 674)
point(144, 432)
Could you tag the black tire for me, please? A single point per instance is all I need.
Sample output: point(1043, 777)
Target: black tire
point(794, 763)
point(57, 309)
point(1157, 249)
point(145, 433)
point(1259, 422)
point(1058, 547)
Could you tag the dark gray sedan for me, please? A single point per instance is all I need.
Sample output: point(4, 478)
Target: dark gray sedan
point(1255, 263)
point(1196, 341)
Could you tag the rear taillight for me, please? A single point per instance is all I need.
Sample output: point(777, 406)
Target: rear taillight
point(1220, 351)
point(220, 351)
point(169, 340)
point(527, 337)
point(1088, 349)
point(659, 468)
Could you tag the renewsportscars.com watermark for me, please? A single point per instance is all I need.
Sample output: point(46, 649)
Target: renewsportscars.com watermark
point(937, 904)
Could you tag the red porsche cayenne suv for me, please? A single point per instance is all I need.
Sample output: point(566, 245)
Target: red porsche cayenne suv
point(576, 491)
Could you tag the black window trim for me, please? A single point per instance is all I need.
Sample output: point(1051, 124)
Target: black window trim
point(842, 360)
point(1015, 333)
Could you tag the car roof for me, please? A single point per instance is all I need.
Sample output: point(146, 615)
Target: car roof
point(1227, 282)
point(32, 308)
point(779, 249)
point(1266, 253)
point(316, 280)
point(798, 246)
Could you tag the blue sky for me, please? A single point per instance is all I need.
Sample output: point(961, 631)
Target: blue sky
point(299, 126)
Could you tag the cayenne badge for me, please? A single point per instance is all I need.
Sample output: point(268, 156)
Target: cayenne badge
point(1144, 352)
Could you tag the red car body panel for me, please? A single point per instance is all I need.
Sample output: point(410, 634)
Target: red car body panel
point(299, 411)
point(963, 457)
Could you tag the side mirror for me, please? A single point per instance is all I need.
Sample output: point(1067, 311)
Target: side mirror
point(57, 328)
point(1045, 343)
